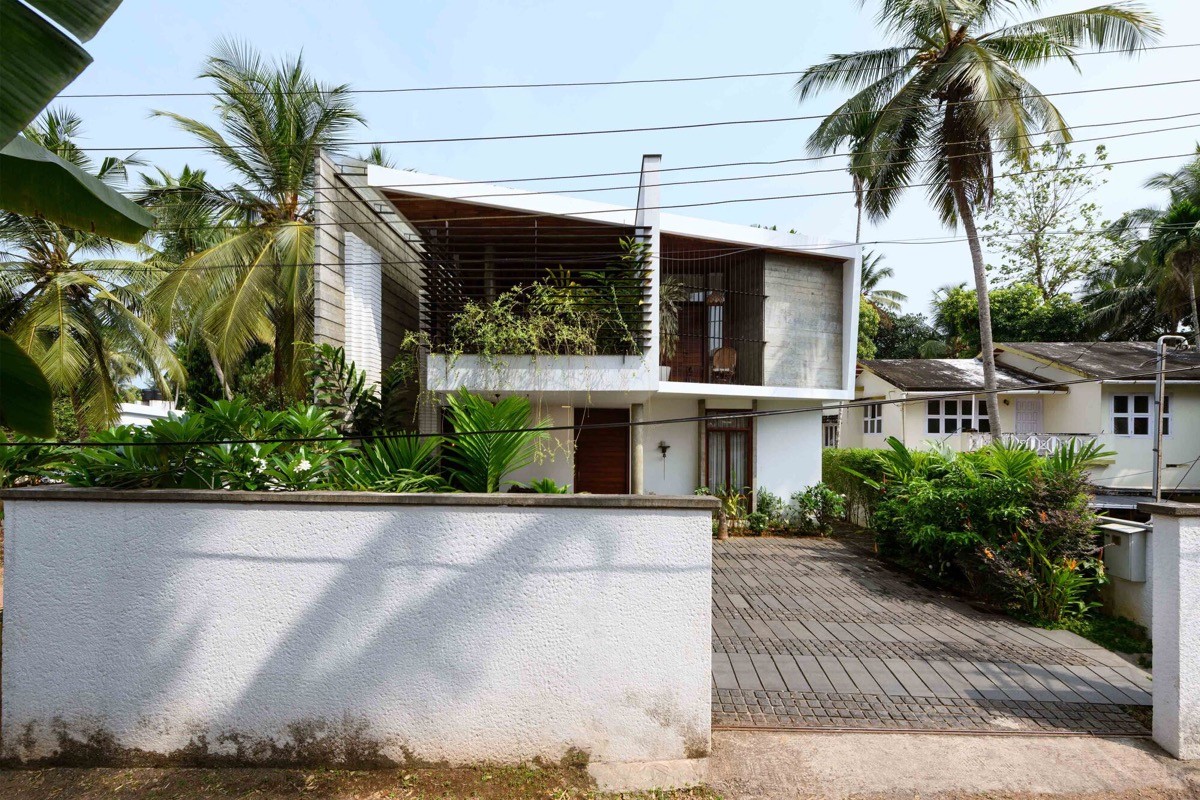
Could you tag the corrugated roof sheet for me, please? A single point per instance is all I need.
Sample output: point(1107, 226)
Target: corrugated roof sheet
point(1110, 360)
point(946, 374)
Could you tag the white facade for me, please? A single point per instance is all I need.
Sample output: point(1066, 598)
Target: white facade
point(1082, 409)
point(358, 628)
point(800, 354)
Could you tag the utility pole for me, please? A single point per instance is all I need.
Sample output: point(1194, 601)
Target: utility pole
point(1160, 393)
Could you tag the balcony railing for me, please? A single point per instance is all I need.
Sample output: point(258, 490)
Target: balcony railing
point(1041, 443)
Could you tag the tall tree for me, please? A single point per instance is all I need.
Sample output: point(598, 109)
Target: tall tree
point(1045, 224)
point(949, 95)
point(1153, 286)
point(72, 300)
point(255, 284)
point(189, 223)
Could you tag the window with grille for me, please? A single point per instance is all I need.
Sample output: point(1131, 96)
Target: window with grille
point(1132, 415)
point(957, 415)
point(873, 418)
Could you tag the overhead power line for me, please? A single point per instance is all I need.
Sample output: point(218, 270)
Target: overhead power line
point(577, 84)
point(558, 258)
point(646, 129)
point(768, 163)
point(575, 215)
point(751, 414)
point(775, 162)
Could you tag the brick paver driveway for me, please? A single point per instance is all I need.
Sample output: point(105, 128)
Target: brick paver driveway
point(817, 633)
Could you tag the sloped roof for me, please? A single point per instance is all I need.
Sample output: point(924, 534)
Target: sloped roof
point(948, 374)
point(1111, 360)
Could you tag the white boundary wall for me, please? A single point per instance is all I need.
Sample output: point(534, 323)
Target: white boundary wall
point(351, 626)
point(1176, 597)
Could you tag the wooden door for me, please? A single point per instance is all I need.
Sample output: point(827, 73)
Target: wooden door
point(602, 454)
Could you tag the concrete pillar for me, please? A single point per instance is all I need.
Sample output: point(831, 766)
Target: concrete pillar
point(1176, 626)
point(646, 221)
point(637, 450)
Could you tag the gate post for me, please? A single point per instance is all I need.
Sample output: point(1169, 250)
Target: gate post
point(1176, 626)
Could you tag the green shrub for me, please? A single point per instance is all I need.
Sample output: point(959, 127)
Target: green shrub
point(231, 444)
point(758, 522)
point(815, 509)
point(1000, 521)
point(841, 470)
point(491, 440)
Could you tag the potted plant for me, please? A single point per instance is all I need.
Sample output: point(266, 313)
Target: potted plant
point(671, 295)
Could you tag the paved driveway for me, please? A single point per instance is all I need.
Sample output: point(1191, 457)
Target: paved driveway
point(817, 633)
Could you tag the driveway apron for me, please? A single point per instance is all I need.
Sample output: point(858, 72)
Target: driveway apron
point(820, 634)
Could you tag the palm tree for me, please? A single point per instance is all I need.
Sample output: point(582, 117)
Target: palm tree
point(1133, 299)
point(73, 301)
point(885, 301)
point(255, 284)
point(189, 223)
point(949, 95)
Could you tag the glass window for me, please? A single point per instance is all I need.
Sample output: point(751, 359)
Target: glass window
point(955, 416)
point(873, 418)
point(1133, 415)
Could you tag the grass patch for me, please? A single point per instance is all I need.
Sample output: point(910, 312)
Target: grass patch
point(1118, 634)
point(487, 782)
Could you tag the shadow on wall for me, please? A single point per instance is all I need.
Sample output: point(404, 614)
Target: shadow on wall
point(358, 635)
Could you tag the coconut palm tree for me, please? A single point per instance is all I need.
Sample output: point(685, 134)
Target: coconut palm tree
point(71, 298)
point(1164, 260)
point(255, 284)
point(949, 95)
point(189, 223)
point(885, 301)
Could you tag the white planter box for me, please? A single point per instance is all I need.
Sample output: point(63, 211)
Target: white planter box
point(353, 627)
point(633, 373)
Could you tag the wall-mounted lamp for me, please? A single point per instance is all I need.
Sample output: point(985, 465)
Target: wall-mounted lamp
point(1005, 401)
point(663, 447)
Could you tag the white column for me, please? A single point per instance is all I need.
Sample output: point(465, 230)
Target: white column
point(637, 449)
point(1176, 626)
point(646, 221)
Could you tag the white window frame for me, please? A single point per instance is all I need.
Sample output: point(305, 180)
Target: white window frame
point(873, 418)
point(1130, 415)
point(976, 419)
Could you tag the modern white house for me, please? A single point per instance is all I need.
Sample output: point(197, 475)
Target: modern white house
point(767, 322)
point(1051, 392)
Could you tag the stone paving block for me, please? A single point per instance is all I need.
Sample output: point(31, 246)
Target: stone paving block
point(817, 633)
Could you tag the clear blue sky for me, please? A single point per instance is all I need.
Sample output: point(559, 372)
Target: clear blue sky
point(160, 46)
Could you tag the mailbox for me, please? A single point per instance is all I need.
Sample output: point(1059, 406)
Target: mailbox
point(1125, 550)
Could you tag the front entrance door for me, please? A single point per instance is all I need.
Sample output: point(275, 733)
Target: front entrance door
point(1029, 415)
point(602, 454)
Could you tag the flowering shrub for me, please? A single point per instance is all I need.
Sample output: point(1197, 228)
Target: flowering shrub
point(815, 509)
point(1001, 521)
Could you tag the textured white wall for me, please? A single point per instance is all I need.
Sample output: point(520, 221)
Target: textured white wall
point(364, 307)
point(1176, 593)
point(463, 633)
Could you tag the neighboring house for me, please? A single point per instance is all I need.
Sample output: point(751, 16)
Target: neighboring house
point(1114, 405)
point(144, 412)
point(767, 321)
